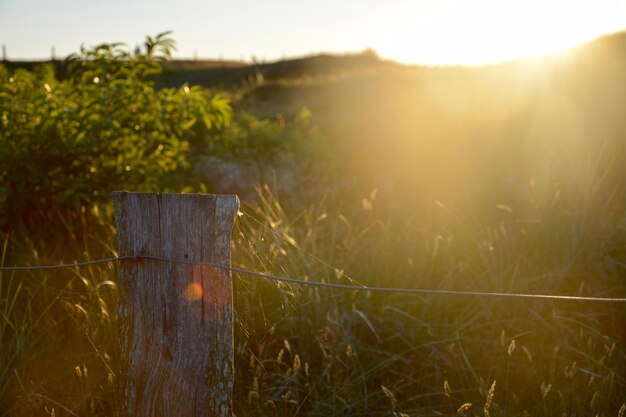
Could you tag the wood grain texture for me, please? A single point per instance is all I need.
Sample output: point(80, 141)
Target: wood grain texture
point(176, 334)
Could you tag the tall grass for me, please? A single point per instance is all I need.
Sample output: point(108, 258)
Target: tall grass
point(58, 326)
point(548, 357)
point(311, 351)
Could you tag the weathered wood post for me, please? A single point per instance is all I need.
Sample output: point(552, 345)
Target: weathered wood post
point(176, 334)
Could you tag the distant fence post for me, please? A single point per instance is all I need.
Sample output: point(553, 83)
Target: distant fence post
point(176, 346)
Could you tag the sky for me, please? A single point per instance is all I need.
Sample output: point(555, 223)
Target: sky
point(430, 32)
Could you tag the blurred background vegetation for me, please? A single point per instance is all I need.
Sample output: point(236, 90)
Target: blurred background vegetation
point(353, 170)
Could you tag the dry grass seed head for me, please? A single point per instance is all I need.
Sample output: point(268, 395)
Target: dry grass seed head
point(446, 388)
point(253, 396)
point(511, 348)
point(490, 394)
point(391, 397)
point(296, 363)
point(594, 399)
point(286, 397)
point(463, 408)
point(545, 390)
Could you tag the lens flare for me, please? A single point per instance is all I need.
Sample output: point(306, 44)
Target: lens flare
point(193, 292)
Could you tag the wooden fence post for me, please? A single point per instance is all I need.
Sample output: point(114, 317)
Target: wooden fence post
point(176, 334)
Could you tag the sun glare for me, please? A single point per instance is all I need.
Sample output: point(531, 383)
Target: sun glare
point(490, 31)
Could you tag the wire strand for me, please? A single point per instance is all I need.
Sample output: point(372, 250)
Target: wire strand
point(330, 285)
point(391, 289)
point(72, 265)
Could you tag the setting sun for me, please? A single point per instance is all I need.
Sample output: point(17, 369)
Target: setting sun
point(491, 31)
point(430, 32)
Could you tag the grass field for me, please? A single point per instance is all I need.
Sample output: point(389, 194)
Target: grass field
point(502, 179)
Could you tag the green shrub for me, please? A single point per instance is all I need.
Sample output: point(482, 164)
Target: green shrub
point(65, 145)
point(252, 138)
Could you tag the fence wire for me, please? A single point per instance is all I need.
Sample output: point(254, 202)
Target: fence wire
point(325, 284)
point(72, 265)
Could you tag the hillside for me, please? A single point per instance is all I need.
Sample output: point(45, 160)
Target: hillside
point(231, 75)
point(444, 133)
point(431, 131)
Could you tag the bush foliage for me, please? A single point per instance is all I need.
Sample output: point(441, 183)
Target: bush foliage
point(65, 145)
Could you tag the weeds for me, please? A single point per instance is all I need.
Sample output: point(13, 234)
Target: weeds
point(412, 345)
point(311, 351)
point(318, 352)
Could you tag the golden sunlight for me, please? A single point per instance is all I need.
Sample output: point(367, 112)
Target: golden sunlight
point(491, 31)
